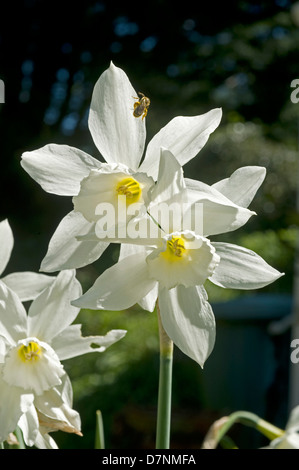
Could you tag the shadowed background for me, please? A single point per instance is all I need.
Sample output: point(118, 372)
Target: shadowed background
point(241, 56)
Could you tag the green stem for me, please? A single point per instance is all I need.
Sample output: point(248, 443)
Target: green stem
point(99, 438)
point(251, 420)
point(19, 436)
point(165, 388)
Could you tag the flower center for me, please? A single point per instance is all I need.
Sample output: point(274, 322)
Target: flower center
point(30, 353)
point(130, 188)
point(175, 249)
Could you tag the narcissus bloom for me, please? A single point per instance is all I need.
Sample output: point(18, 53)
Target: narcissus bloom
point(173, 266)
point(34, 387)
point(120, 138)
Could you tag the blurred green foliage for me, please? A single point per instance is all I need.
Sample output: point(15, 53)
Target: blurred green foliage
point(241, 56)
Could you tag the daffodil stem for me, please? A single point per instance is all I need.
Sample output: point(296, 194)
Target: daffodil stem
point(99, 439)
point(165, 388)
point(20, 439)
point(251, 420)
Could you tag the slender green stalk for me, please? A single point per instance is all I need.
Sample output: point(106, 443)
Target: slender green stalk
point(251, 420)
point(99, 437)
point(165, 388)
point(19, 436)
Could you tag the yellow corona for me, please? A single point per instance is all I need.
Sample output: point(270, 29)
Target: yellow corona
point(130, 188)
point(175, 249)
point(30, 353)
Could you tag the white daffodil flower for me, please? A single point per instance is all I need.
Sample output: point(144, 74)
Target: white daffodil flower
point(173, 266)
point(33, 381)
point(26, 284)
point(120, 138)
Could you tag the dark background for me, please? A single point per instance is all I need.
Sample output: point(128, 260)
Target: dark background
point(188, 57)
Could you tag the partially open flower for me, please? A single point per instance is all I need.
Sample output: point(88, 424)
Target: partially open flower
point(32, 379)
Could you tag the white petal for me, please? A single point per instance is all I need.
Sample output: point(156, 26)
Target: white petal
point(56, 404)
point(168, 196)
point(29, 426)
point(119, 287)
point(170, 181)
point(6, 244)
point(34, 376)
point(293, 421)
point(45, 441)
point(4, 346)
point(219, 214)
point(287, 441)
point(65, 251)
point(71, 343)
point(58, 168)
point(51, 312)
point(242, 185)
point(99, 190)
point(13, 403)
point(13, 316)
point(118, 135)
point(188, 319)
point(184, 136)
point(27, 285)
point(149, 301)
point(96, 188)
point(240, 268)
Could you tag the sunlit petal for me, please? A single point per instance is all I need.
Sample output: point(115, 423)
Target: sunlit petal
point(118, 135)
point(101, 189)
point(71, 343)
point(55, 409)
point(120, 286)
point(13, 403)
point(219, 214)
point(51, 312)
point(240, 268)
point(65, 251)
point(58, 168)
point(27, 285)
point(6, 244)
point(29, 425)
point(188, 319)
point(184, 136)
point(13, 317)
point(149, 301)
point(242, 185)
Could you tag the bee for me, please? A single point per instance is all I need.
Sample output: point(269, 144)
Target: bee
point(141, 106)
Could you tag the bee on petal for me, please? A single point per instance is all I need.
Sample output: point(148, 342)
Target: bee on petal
point(141, 106)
